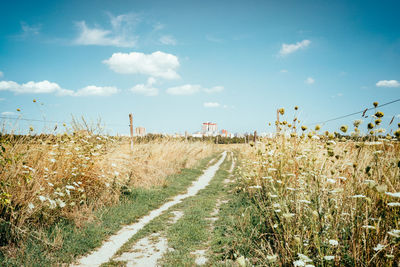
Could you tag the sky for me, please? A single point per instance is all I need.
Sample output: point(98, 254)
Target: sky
point(177, 64)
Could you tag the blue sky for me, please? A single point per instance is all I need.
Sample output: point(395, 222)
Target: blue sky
point(176, 64)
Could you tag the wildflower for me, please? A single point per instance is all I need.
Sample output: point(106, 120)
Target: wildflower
point(52, 160)
point(241, 261)
point(369, 227)
point(299, 263)
point(394, 204)
point(397, 194)
point(397, 133)
point(34, 100)
point(304, 201)
point(272, 258)
point(379, 114)
point(379, 247)
point(375, 104)
point(315, 137)
point(358, 196)
point(333, 242)
point(18, 109)
point(304, 258)
point(329, 258)
point(281, 111)
point(344, 128)
point(318, 127)
point(303, 127)
point(394, 233)
point(31, 128)
point(331, 181)
point(31, 206)
point(255, 187)
point(60, 203)
point(50, 184)
point(272, 169)
point(296, 108)
point(42, 198)
point(70, 187)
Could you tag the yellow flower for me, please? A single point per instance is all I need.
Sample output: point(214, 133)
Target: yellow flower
point(375, 104)
point(379, 114)
point(281, 111)
point(18, 109)
point(318, 127)
point(296, 108)
point(34, 100)
point(303, 127)
point(371, 125)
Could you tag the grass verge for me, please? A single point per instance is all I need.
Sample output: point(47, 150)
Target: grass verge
point(63, 242)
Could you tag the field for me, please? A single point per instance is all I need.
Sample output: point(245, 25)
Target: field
point(302, 198)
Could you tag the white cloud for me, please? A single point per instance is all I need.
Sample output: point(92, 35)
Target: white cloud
point(93, 90)
point(120, 34)
point(168, 40)
point(46, 87)
point(187, 89)
point(157, 64)
point(388, 83)
point(215, 89)
point(2, 99)
point(287, 49)
point(146, 89)
point(309, 80)
point(1, 74)
point(211, 104)
point(8, 113)
point(284, 71)
point(43, 87)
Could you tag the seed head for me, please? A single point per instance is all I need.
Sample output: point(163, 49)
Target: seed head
point(281, 111)
point(296, 108)
point(318, 127)
point(303, 127)
point(375, 104)
point(370, 126)
point(379, 114)
point(378, 121)
point(344, 128)
point(18, 109)
point(34, 100)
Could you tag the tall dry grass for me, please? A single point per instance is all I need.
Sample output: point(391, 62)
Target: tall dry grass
point(44, 178)
point(321, 200)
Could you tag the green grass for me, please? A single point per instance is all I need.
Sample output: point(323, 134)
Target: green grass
point(192, 231)
point(78, 241)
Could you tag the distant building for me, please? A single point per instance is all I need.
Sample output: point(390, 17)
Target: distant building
point(209, 129)
point(140, 131)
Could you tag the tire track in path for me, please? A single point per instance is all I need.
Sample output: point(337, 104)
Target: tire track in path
point(111, 246)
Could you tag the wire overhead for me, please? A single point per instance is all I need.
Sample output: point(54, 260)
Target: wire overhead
point(355, 113)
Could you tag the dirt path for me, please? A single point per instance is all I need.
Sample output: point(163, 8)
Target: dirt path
point(115, 242)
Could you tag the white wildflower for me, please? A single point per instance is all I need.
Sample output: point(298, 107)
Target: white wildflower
point(331, 181)
point(329, 258)
point(394, 204)
point(31, 206)
point(394, 233)
point(379, 247)
point(255, 187)
point(333, 242)
point(299, 263)
point(304, 201)
point(288, 215)
point(304, 257)
point(70, 187)
point(369, 227)
point(50, 184)
point(52, 160)
point(358, 196)
point(397, 194)
point(42, 198)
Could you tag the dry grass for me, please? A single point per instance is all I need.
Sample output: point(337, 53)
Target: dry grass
point(322, 201)
point(48, 177)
